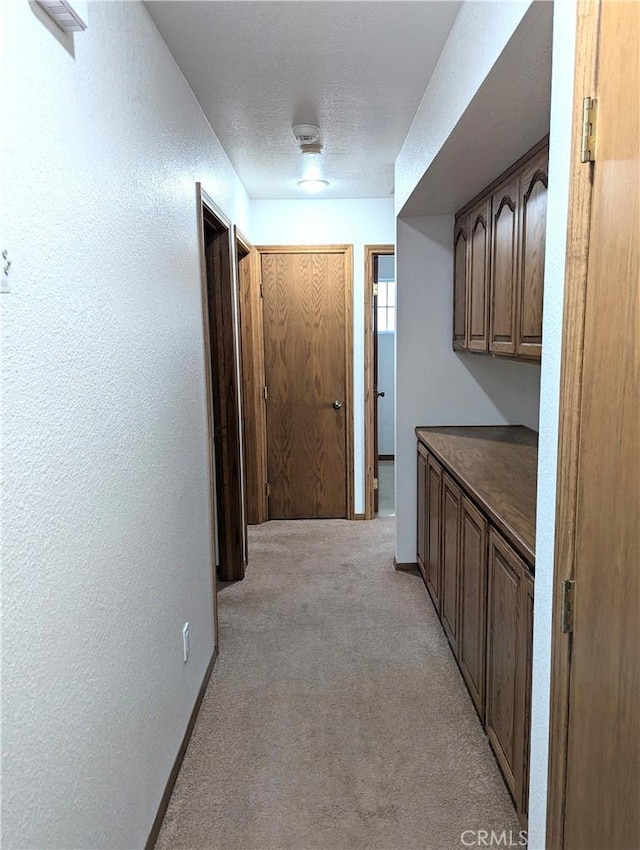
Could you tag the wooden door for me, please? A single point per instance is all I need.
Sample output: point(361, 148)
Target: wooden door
point(308, 356)
point(473, 601)
point(478, 282)
point(376, 412)
point(451, 504)
point(253, 381)
point(504, 259)
point(433, 530)
point(460, 270)
point(504, 688)
point(222, 322)
point(595, 713)
point(531, 244)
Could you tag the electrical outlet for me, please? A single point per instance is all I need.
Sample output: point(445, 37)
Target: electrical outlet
point(185, 642)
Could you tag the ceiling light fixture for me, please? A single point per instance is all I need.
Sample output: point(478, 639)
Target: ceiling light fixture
point(313, 185)
point(306, 134)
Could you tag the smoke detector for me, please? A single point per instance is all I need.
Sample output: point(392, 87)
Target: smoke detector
point(306, 134)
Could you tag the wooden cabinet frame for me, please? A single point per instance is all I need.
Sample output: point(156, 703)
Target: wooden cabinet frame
point(498, 274)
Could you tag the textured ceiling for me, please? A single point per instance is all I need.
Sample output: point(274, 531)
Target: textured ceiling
point(357, 69)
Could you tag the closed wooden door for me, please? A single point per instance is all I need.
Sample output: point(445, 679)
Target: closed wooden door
point(473, 601)
point(478, 280)
point(504, 258)
point(432, 529)
point(253, 381)
point(307, 333)
point(451, 503)
point(602, 782)
point(503, 709)
point(530, 277)
point(460, 265)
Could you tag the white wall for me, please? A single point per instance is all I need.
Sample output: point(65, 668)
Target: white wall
point(478, 36)
point(564, 33)
point(368, 221)
point(434, 385)
point(106, 527)
point(386, 384)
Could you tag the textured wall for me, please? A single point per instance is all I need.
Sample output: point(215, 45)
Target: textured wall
point(564, 34)
point(386, 384)
point(477, 38)
point(106, 530)
point(367, 221)
point(434, 385)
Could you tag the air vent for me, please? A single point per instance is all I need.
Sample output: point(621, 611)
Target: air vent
point(64, 15)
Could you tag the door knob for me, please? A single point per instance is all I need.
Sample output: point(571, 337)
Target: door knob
point(378, 395)
point(337, 404)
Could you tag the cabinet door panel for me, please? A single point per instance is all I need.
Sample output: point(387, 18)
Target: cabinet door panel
point(451, 499)
point(505, 575)
point(533, 222)
point(504, 258)
point(473, 602)
point(432, 529)
point(421, 548)
point(478, 281)
point(460, 250)
point(524, 716)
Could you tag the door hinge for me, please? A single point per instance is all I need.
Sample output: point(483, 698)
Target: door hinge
point(261, 289)
point(375, 290)
point(589, 127)
point(568, 604)
point(267, 488)
point(265, 393)
point(375, 483)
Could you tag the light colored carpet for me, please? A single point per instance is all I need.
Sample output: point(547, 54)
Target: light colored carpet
point(335, 718)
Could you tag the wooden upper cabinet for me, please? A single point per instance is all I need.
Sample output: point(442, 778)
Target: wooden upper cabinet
point(478, 280)
point(460, 267)
point(504, 260)
point(533, 214)
point(499, 245)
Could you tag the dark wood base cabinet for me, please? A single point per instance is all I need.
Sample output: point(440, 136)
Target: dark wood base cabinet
point(482, 588)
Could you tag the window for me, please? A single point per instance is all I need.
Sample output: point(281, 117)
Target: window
point(386, 306)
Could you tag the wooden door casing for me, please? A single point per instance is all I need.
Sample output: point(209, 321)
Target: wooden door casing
point(504, 259)
point(596, 683)
point(531, 243)
point(371, 254)
point(451, 518)
point(478, 279)
point(222, 321)
point(433, 505)
point(308, 366)
point(473, 602)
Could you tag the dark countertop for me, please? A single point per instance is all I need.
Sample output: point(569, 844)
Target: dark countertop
point(497, 466)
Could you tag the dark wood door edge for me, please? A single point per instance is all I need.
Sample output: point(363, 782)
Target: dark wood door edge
point(175, 770)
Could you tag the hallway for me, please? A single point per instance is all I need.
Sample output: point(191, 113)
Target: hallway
point(335, 716)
